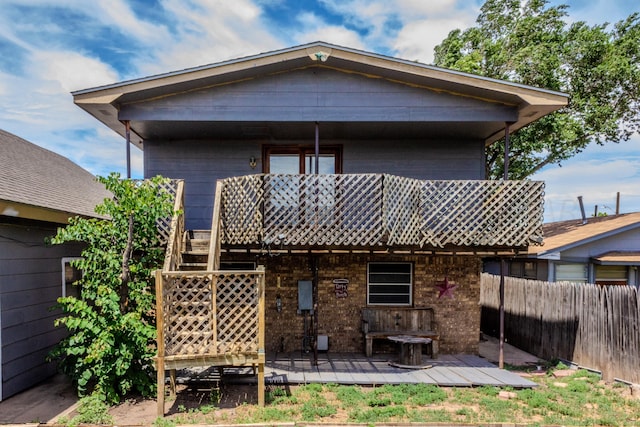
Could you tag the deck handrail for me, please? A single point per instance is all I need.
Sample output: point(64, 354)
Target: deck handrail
point(379, 210)
point(173, 255)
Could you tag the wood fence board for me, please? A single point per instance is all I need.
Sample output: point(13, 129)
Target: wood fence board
point(593, 326)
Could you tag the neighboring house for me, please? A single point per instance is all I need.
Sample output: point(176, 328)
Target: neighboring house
point(602, 250)
point(39, 191)
point(401, 216)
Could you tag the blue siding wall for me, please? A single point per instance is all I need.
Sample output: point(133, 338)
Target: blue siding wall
point(30, 283)
point(201, 163)
point(318, 94)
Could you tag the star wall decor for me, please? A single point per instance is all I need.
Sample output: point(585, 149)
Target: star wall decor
point(445, 288)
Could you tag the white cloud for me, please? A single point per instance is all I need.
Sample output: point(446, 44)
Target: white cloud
point(209, 31)
point(418, 39)
point(596, 174)
point(70, 70)
point(314, 28)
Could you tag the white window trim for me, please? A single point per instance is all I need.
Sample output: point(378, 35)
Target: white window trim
point(64, 261)
point(410, 303)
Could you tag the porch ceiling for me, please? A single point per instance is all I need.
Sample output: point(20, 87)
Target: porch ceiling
point(180, 130)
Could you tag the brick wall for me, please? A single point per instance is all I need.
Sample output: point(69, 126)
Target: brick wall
point(458, 318)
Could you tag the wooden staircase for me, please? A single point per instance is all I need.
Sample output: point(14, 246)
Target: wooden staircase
point(195, 250)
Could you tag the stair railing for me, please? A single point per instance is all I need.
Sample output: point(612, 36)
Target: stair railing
point(173, 256)
point(213, 262)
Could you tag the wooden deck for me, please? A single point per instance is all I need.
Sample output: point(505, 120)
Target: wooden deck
point(356, 369)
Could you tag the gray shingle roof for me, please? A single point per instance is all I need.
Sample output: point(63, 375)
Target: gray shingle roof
point(32, 175)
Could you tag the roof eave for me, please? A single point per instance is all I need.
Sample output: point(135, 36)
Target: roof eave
point(101, 102)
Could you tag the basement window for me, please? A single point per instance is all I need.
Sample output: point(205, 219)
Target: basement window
point(389, 283)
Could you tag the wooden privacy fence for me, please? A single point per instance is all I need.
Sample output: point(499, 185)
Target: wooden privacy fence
point(590, 325)
point(379, 210)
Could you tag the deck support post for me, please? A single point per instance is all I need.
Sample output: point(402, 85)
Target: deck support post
point(502, 262)
point(127, 133)
point(317, 146)
point(160, 398)
point(261, 390)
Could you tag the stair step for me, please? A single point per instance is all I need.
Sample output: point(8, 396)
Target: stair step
point(193, 266)
point(197, 245)
point(198, 234)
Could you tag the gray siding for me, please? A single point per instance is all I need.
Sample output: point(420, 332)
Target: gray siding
point(318, 94)
point(201, 163)
point(30, 283)
point(424, 159)
point(626, 241)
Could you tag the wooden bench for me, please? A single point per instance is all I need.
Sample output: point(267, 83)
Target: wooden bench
point(383, 322)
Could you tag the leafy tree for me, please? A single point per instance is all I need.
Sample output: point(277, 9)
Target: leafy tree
point(111, 325)
point(531, 43)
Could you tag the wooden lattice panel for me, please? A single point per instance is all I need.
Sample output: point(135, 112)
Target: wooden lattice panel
point(401, 210)
point(164, 224)
point(380, 210)
point(241, 215)
point(323, 209)
point(188, 314)
point(211, 313)
point(481, 213)
point(237, 299)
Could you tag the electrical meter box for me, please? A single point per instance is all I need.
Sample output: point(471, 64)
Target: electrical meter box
point(305, 295)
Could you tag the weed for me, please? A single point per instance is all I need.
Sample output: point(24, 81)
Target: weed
point(92, 409)
point(426, 394)
point(163, 422)
point(317, 408)
point(350, 396)
point(379, 414)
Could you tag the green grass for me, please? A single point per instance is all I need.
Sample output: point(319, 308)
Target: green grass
point(579, 399)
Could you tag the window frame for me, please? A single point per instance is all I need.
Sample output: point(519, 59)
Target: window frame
point(63, 262)
point(410, 284)
point(302, 150)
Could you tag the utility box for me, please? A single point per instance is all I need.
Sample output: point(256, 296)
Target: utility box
point(323, 343)
point(305, 295)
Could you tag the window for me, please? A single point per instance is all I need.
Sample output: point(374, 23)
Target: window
point(289, 159)
point(70, 275)
point(576, 273)
point(389, 283)
point(611, 275)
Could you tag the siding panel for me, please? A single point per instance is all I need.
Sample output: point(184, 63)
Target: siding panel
point(201, 163)
point(30, 283)
point(318, 94)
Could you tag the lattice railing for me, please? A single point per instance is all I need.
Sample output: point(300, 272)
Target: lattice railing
point(211, 313)
point(174, 188)
point(380, 210)
point(175, 228)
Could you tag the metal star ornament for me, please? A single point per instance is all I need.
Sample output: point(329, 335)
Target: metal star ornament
point(446, 288)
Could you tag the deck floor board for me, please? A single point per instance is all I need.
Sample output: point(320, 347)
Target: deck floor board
point(351, 368)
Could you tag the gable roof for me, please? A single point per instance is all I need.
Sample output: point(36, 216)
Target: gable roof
point(36, 183)
point(531, 103)
point(563, 235)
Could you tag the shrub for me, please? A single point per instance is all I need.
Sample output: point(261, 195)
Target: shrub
point(111, 325)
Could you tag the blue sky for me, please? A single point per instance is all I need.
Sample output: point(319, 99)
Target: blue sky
point(49, 48)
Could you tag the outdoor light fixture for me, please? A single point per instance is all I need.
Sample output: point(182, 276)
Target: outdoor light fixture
point(278, 303)
point(252, 162)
